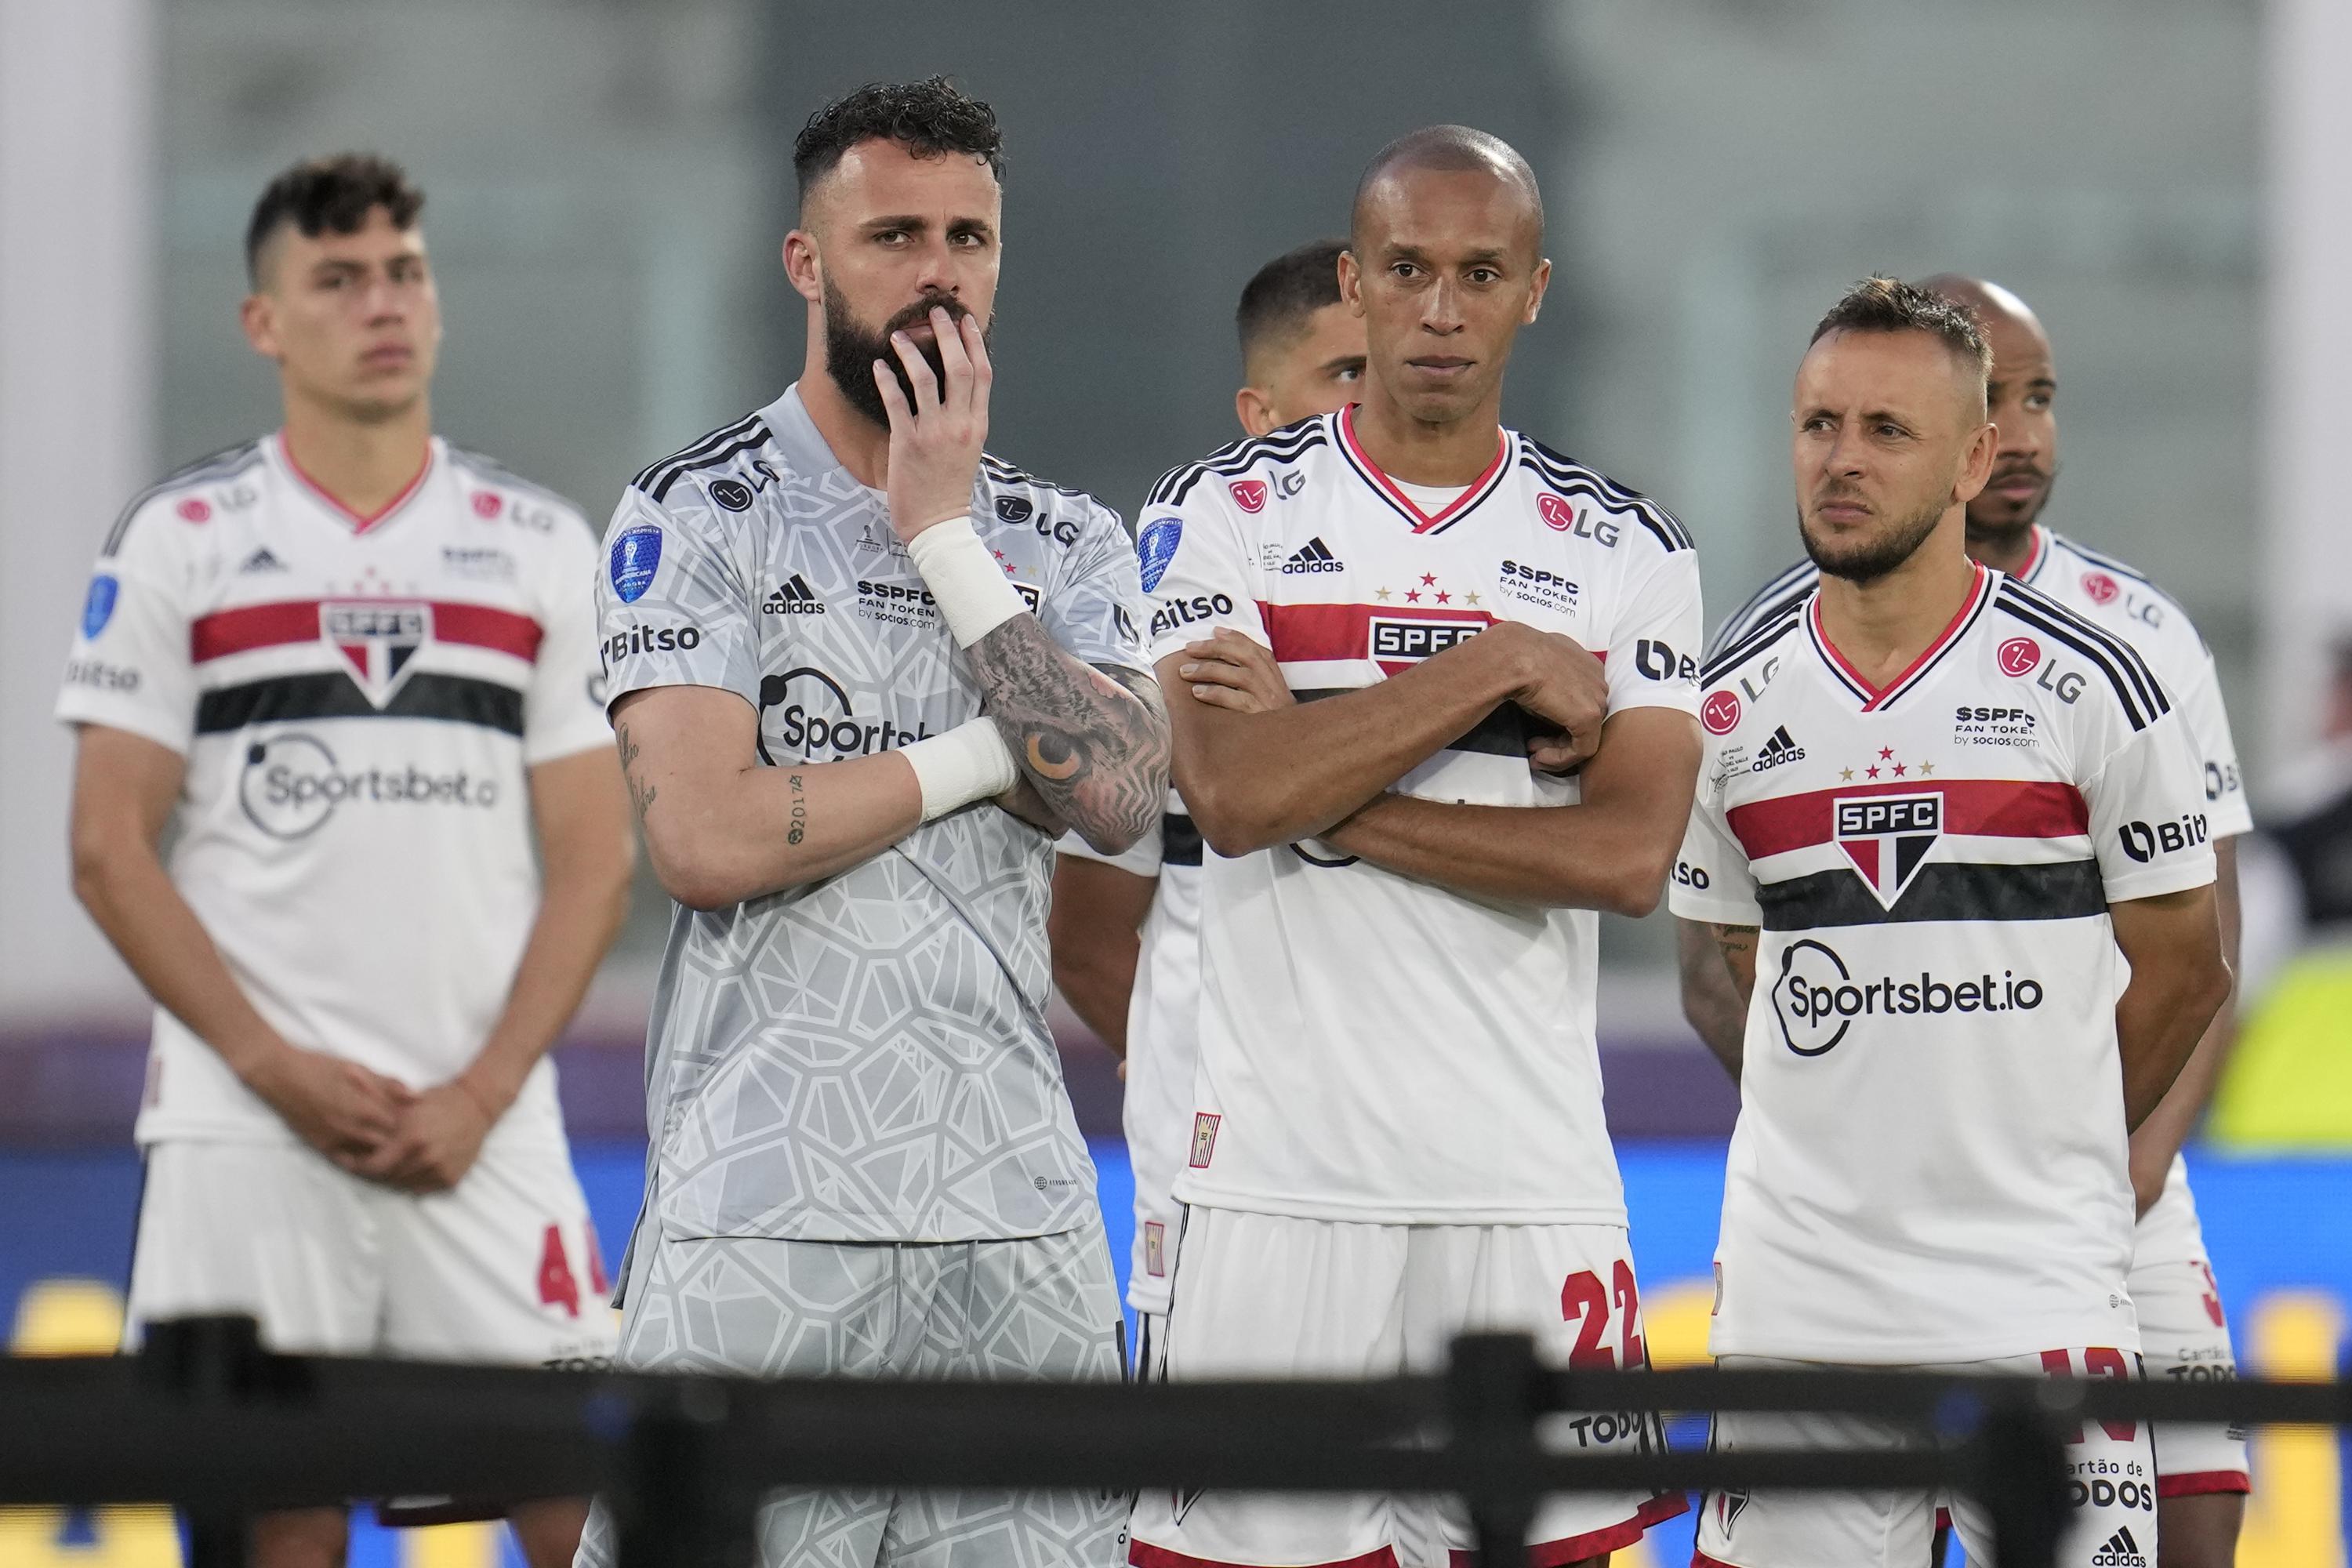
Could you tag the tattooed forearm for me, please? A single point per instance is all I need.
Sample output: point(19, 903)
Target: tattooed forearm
point(798, 829)
point(641, 791)
point(1738, 946)
point(1093, 743)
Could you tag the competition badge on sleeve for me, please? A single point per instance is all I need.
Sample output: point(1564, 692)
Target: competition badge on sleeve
point(636, 555)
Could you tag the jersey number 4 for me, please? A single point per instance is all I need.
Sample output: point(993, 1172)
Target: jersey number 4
point(558, 1286)
point(1583, 1302)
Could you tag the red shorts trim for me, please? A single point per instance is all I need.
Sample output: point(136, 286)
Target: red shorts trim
point(1143, 1554)
point(2202, 1483)
point(1595, 1542)
point(1701, 1560)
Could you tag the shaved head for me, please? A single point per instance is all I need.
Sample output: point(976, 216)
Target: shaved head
point(1988, 302)
point(1447, 150)
point(2021, 394)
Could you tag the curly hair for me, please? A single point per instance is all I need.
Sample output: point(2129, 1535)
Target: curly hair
point(332, 193)
point(930, 119)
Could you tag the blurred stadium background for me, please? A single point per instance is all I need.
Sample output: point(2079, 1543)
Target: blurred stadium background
point(2165, 180)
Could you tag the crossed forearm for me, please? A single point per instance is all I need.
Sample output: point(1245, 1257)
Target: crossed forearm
point(1094, 746)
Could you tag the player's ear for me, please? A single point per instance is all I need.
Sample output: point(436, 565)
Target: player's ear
point(1536, 294)
point(1351, 283)
point(1976, 463)
point(259, 319)
point(1256, 414)
point(802, 266)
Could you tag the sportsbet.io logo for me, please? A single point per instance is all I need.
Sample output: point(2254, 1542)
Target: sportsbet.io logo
point(293, 785)
point(1817, 998)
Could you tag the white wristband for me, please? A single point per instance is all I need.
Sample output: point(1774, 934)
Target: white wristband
point(969, 763)
point(965, 578)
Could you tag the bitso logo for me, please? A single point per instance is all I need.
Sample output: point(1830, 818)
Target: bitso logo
point(1720, 712)
point(2100, 588)
point(2019, 656)
point(1654, 660)
point(2144, 843)
point(378, 639)
point(1887, 837)
point(1248, 494)
point(1817, 998)
point(1188, 610)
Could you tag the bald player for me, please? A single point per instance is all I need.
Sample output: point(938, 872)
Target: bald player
point(1126, 929)
point(2201, 1471)
point(1396, 1130)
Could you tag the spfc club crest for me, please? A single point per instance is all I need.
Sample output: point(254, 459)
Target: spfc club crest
point(1887, 837)
point(378, 639)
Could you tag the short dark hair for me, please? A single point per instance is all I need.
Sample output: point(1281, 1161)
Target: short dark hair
point(1890, 305)
point(333, 193)
point(930, 119)
point(1288, 289)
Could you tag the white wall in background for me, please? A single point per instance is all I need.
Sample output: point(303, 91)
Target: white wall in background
point(2308, 370)
point(78, 89)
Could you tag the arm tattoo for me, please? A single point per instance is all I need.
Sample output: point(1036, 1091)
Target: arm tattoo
point(1093, 743)
point(798, 830)
point(1735, 941)
point(641, 791)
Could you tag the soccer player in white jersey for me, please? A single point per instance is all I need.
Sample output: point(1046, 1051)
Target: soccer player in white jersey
point(2201, 1475)
point(1127, 930)
point(1397, 1129)
point(354, 670)
point(1937, 809)
point(863, 675)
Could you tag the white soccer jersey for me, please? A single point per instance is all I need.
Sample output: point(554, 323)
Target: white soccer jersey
point(358, 700)
point(1374, 1047)
point(1164, 1027)
point(1930, 1159)
point(2122, 599)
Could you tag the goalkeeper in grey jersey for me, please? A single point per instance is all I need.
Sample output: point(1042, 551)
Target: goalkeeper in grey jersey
point(861, 676)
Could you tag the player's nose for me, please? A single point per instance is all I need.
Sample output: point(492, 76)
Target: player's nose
point(1442, 309)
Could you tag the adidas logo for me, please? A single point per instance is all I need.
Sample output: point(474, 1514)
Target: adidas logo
point(2119, 1552)
point(1312, 556)
point(1778, 748)
point(262, 560)
point(794, 597)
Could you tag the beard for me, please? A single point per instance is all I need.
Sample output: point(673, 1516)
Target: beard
point(1993, 522)
point(851, 349)
point(1866, 560)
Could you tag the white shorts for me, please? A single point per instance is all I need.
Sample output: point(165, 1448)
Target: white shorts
point(2112, 1470)
point(503, 1268)
point(2184, 1337)
point(1271, 1296)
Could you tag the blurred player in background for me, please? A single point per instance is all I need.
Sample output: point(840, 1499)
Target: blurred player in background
point(1947, 801)
point(2201, 1470)
point(1397, 1131)
point(863, 675)
point(1302, 355)
point(353, 670)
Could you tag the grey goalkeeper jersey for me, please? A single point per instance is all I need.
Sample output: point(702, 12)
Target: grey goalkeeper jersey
point(864, 1058)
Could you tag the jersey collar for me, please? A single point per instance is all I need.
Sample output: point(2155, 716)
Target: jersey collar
point(1875, 699)
point(2035, 562)
point(1482, 487)
point(355, 522)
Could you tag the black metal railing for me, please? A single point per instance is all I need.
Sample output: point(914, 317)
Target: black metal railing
point(205, 1419)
